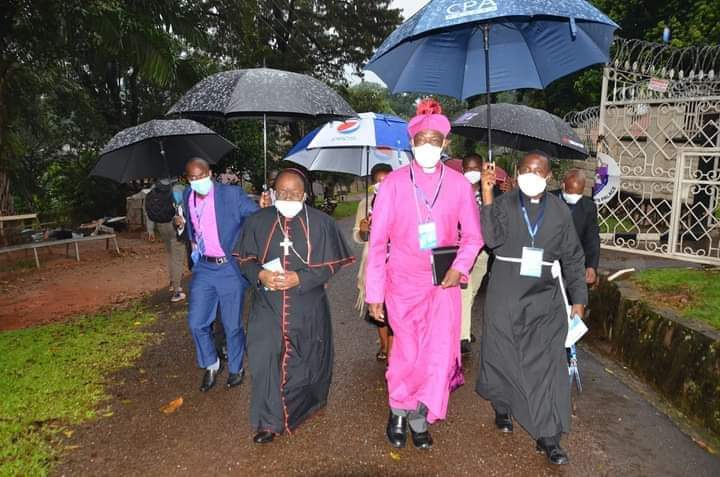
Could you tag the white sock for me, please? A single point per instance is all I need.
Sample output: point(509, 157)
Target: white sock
point(214, 367)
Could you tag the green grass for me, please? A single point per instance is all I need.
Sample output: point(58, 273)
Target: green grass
point(54, 376)
point(16, 265)
point(694, 293)
point(613, 225)
point(346, 209)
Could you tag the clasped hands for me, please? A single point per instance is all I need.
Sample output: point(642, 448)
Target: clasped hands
point(279, 281)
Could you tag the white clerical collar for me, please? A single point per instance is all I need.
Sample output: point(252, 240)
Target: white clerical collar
point(429, 170)
point(534, 201)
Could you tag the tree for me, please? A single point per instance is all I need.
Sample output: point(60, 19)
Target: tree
point(95, 66)
point(692, 22)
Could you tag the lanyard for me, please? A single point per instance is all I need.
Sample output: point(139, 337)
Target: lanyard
point(417, 190)
point(198, 212)
point(533, 228)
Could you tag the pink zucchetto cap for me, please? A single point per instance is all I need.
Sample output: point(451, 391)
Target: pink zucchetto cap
point(428, 115)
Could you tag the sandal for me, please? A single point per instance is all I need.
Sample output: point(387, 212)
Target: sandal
point(381, 355)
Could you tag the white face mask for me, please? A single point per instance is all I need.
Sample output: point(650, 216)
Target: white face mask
point(532, 184)
point(376, 187)
point(289, 208)
point(427, 155)
point(571, 199)
point(473, 176)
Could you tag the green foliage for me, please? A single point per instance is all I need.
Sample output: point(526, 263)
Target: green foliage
point(369, 97)
point(75, 72)
point(54, 376)
point(701, 289)
point(345, 209)
point(692, 22)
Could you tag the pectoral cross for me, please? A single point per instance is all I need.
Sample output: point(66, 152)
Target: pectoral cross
point(286, 244)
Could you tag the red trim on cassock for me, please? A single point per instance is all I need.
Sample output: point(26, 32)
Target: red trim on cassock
point(286, 338)
point(267, 242)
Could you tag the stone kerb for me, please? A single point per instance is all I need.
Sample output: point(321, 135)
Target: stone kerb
point(679, 358)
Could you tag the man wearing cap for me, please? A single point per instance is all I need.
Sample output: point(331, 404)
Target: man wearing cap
point(425, 365)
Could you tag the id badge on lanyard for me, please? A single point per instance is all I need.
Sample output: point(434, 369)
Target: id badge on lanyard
point(532, 257)
point(531, 265)
point(427, 236)
point(427, 230)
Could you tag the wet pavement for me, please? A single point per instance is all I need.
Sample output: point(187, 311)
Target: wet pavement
point(615, 431)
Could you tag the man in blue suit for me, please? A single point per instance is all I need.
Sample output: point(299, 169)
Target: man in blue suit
point(215, 216)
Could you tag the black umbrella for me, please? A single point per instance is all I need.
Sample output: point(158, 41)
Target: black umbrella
point(522, 128)
point(159, 148)
point(262, 93)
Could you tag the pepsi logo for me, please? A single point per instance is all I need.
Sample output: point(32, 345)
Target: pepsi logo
point(349, 126)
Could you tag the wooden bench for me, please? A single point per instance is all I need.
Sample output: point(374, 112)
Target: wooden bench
point(34, 246)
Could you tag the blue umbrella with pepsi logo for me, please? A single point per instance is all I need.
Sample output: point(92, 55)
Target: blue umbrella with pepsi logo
point(464, 48)
point(354, 146)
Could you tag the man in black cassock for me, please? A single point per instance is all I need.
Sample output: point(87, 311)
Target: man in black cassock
point(289, 252)
point(585, 217)
point(523, 370)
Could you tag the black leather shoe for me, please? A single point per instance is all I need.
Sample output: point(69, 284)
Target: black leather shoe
point(421, 440)
point(263, 437)
point(465, 347)
point(503, 422)
point(235, 379)
point(555, 454)
point(209, 378)
point(397, 430)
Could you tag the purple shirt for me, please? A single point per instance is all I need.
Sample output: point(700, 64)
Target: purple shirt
point(202, 214)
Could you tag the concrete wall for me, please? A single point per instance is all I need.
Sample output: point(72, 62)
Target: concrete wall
point(680, 358)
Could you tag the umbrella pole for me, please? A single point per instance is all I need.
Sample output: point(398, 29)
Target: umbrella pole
point(486, 43)
point(367, 180)
point(265, 173)
point(165, 164)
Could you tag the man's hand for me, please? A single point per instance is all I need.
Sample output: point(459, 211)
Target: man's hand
point(150, 236)
point(265, 200)
point(377, 311)
point(590, 276)
point(269, 279)
point(287, 281)
point(365, 225)
point(451, 279)
point(578, 310)
point(179, 221)
point(507, 185)
point(487, 182)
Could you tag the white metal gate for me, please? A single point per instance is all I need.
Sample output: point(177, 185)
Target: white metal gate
point(659, 119)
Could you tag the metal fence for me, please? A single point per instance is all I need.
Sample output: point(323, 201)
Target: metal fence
point(659, 119)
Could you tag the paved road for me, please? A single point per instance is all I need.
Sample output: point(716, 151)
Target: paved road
point(615, 432)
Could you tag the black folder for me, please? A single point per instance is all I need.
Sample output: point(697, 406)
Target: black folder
point(442, 259)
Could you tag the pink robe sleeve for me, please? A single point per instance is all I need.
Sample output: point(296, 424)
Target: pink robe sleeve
point(377, 244)
point(471, 240)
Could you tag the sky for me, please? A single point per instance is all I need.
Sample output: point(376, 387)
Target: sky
point(408, 7)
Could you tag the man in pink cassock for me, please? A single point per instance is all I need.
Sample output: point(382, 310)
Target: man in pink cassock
point(421, 207)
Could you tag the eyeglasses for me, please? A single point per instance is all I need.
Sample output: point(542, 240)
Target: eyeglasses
point(198, 177)
point(289, 195)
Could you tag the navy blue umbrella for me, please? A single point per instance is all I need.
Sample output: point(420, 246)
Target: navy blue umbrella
point(466, 48)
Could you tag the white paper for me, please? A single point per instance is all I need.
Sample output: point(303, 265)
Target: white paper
point(576, 329)
point(274, 265)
